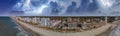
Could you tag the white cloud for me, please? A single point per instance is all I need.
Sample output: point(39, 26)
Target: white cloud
point(105, 6)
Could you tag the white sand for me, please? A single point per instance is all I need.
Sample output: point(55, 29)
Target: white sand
point(92, 32)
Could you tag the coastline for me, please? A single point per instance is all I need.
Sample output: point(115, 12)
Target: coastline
point(92, 32)
point(26, 29)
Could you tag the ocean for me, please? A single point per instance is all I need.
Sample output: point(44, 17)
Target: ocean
point(9, 28)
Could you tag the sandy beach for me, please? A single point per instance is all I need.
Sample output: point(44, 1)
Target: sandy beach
point(38, 30)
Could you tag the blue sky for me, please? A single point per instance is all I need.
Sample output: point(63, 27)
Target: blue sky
point(6, 6)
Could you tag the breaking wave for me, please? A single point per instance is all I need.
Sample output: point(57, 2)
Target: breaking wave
point(22, 32)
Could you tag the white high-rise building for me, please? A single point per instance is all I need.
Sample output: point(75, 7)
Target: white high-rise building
point(45, 22)
point(27, 19)
point(34, 20)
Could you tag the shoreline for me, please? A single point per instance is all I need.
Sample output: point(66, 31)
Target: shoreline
point(26, 29)
point(92, 32)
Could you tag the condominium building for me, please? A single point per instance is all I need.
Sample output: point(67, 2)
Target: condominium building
point(27, 19)
point(34, 20)
point(45, 22)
